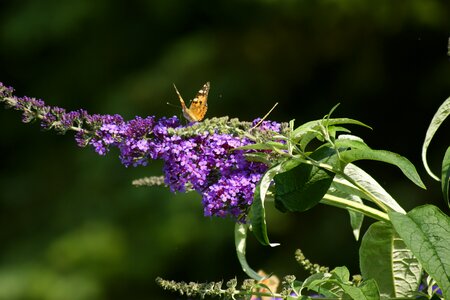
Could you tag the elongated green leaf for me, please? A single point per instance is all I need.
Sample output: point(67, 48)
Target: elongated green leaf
point(356, 220)
point(257, 210)
point(311, 135)
point(240, 241)
point(368, 183)
point(262, 146)
point(350, 141)
point(258, 217)
point(333, 130)
point(258, 157)
point(445, 176)
point(385, 156)
point(315, 125)
point(385, 258)
point(304, 186)
point(438, 118)
point(426, 231)
point(307, 137)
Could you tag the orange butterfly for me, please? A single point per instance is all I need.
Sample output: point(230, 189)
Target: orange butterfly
point(199, 105)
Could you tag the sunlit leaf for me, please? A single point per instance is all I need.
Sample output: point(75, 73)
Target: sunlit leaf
point(395, 159)
point(263, 146)
point(240, 240)
point(357, 293)
point(257, 210)
point(438, 118)
point(341, 273)
point(313, 134)
point(258, 217)
point(258, 157)
point(315, 126)
point(320, 284)
point(426, 231)
point(336, 285)
point(445, 176)
point(333, 130)
point(370, 289)
point(384, 257)
point(307, 137)
point(356, 220)
point(368, 183)
point(350, 141)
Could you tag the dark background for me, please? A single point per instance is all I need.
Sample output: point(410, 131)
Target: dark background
point(71, 224)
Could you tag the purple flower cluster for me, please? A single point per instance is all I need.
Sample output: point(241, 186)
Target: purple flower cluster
point(206, 162)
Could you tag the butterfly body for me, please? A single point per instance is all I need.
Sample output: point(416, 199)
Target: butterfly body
point(198, 106)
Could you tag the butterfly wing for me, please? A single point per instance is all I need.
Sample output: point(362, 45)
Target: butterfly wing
point(199, 105)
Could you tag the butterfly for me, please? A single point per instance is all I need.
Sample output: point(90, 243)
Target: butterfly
point(199, 105)
point(268, 285)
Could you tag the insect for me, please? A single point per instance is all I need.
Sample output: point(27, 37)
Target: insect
point(199, 105)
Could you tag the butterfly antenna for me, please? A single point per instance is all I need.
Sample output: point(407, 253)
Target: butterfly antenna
point(183, 105)
point(173, 105)
point(260, 121)
point(178, 93)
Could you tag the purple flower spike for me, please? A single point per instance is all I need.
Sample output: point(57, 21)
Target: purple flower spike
point(203, 160)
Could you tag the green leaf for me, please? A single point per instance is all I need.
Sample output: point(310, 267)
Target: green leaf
point(310, 136)
point(312, 126)
point(258, 157)
point(338, 286)
point(240, 241)
point(445, 176)
point(321, 284)
point(306, 139)
point(370, 289)
point(262, 146)
point(333, 130)
point(258, 217)
point(341, 273)
point(385, 258)
point(426, 231)
point(354, 292)
point(438, 118)
point(356, 219)
point(368, 183)
point(350, 141)
point(257, 210)
point(303, 186)
point(385, 156)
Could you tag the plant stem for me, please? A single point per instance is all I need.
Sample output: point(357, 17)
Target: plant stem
point(355, 206)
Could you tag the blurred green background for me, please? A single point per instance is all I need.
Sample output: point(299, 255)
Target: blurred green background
point(72, 226)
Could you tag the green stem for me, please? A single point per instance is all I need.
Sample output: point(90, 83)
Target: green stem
point(355, 206)
point(369, 195)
